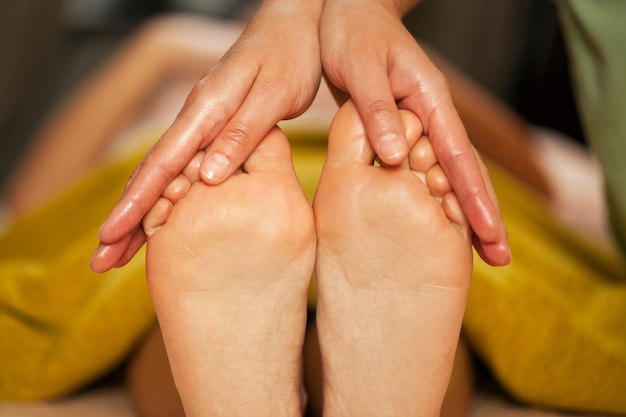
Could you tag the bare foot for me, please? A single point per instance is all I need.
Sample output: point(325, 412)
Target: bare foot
point(393, 269)
point(229, 272)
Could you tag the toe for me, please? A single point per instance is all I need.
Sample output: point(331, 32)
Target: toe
point(347, 142)
point(412, 127)
point(422, 157)
point(272, 154)
point(454, 212)
point(192, 170)
point(177, 189)
point(157, 216)
point(437, 181)
point(412, 131)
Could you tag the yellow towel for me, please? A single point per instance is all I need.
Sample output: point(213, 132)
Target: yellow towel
point(551, 325)
point(62, 326)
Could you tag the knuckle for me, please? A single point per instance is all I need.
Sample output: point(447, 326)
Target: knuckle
point(197, 91)
point(204, 89)
point(162, 167)
point(275, 89)
point(380, 109)
point(236, 137)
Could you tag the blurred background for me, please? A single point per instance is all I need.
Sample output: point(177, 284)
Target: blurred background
point(512, 47)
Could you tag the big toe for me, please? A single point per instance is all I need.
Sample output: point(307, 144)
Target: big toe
point(273, 153)
point(347, 142)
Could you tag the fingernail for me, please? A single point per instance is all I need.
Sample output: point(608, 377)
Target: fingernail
point(215, 167)
point(94, 258)
point(106, 224)
point(391, 146)
point(94, 255)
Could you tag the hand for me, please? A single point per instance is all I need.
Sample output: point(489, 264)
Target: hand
point(368, 54)
point(270, 74)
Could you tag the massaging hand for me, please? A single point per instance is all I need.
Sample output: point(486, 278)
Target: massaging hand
point(368, 53)
point(270, 74)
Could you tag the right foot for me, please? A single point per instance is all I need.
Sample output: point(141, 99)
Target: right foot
point(228, 272)
point(393, 269)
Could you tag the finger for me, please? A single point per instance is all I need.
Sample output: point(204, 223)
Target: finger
point(107, 256)
point(100, 262)
point(463, 168)
point(208, 107)
point(496, 253)
point(158, 168)
point(412, 132)
point(369, 88)
point(265, 105)
point(135, 243)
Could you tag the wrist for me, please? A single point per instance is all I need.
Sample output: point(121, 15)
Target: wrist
point(305, 8)
point(393, 7)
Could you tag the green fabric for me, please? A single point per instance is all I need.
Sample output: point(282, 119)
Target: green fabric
point(596, 42)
